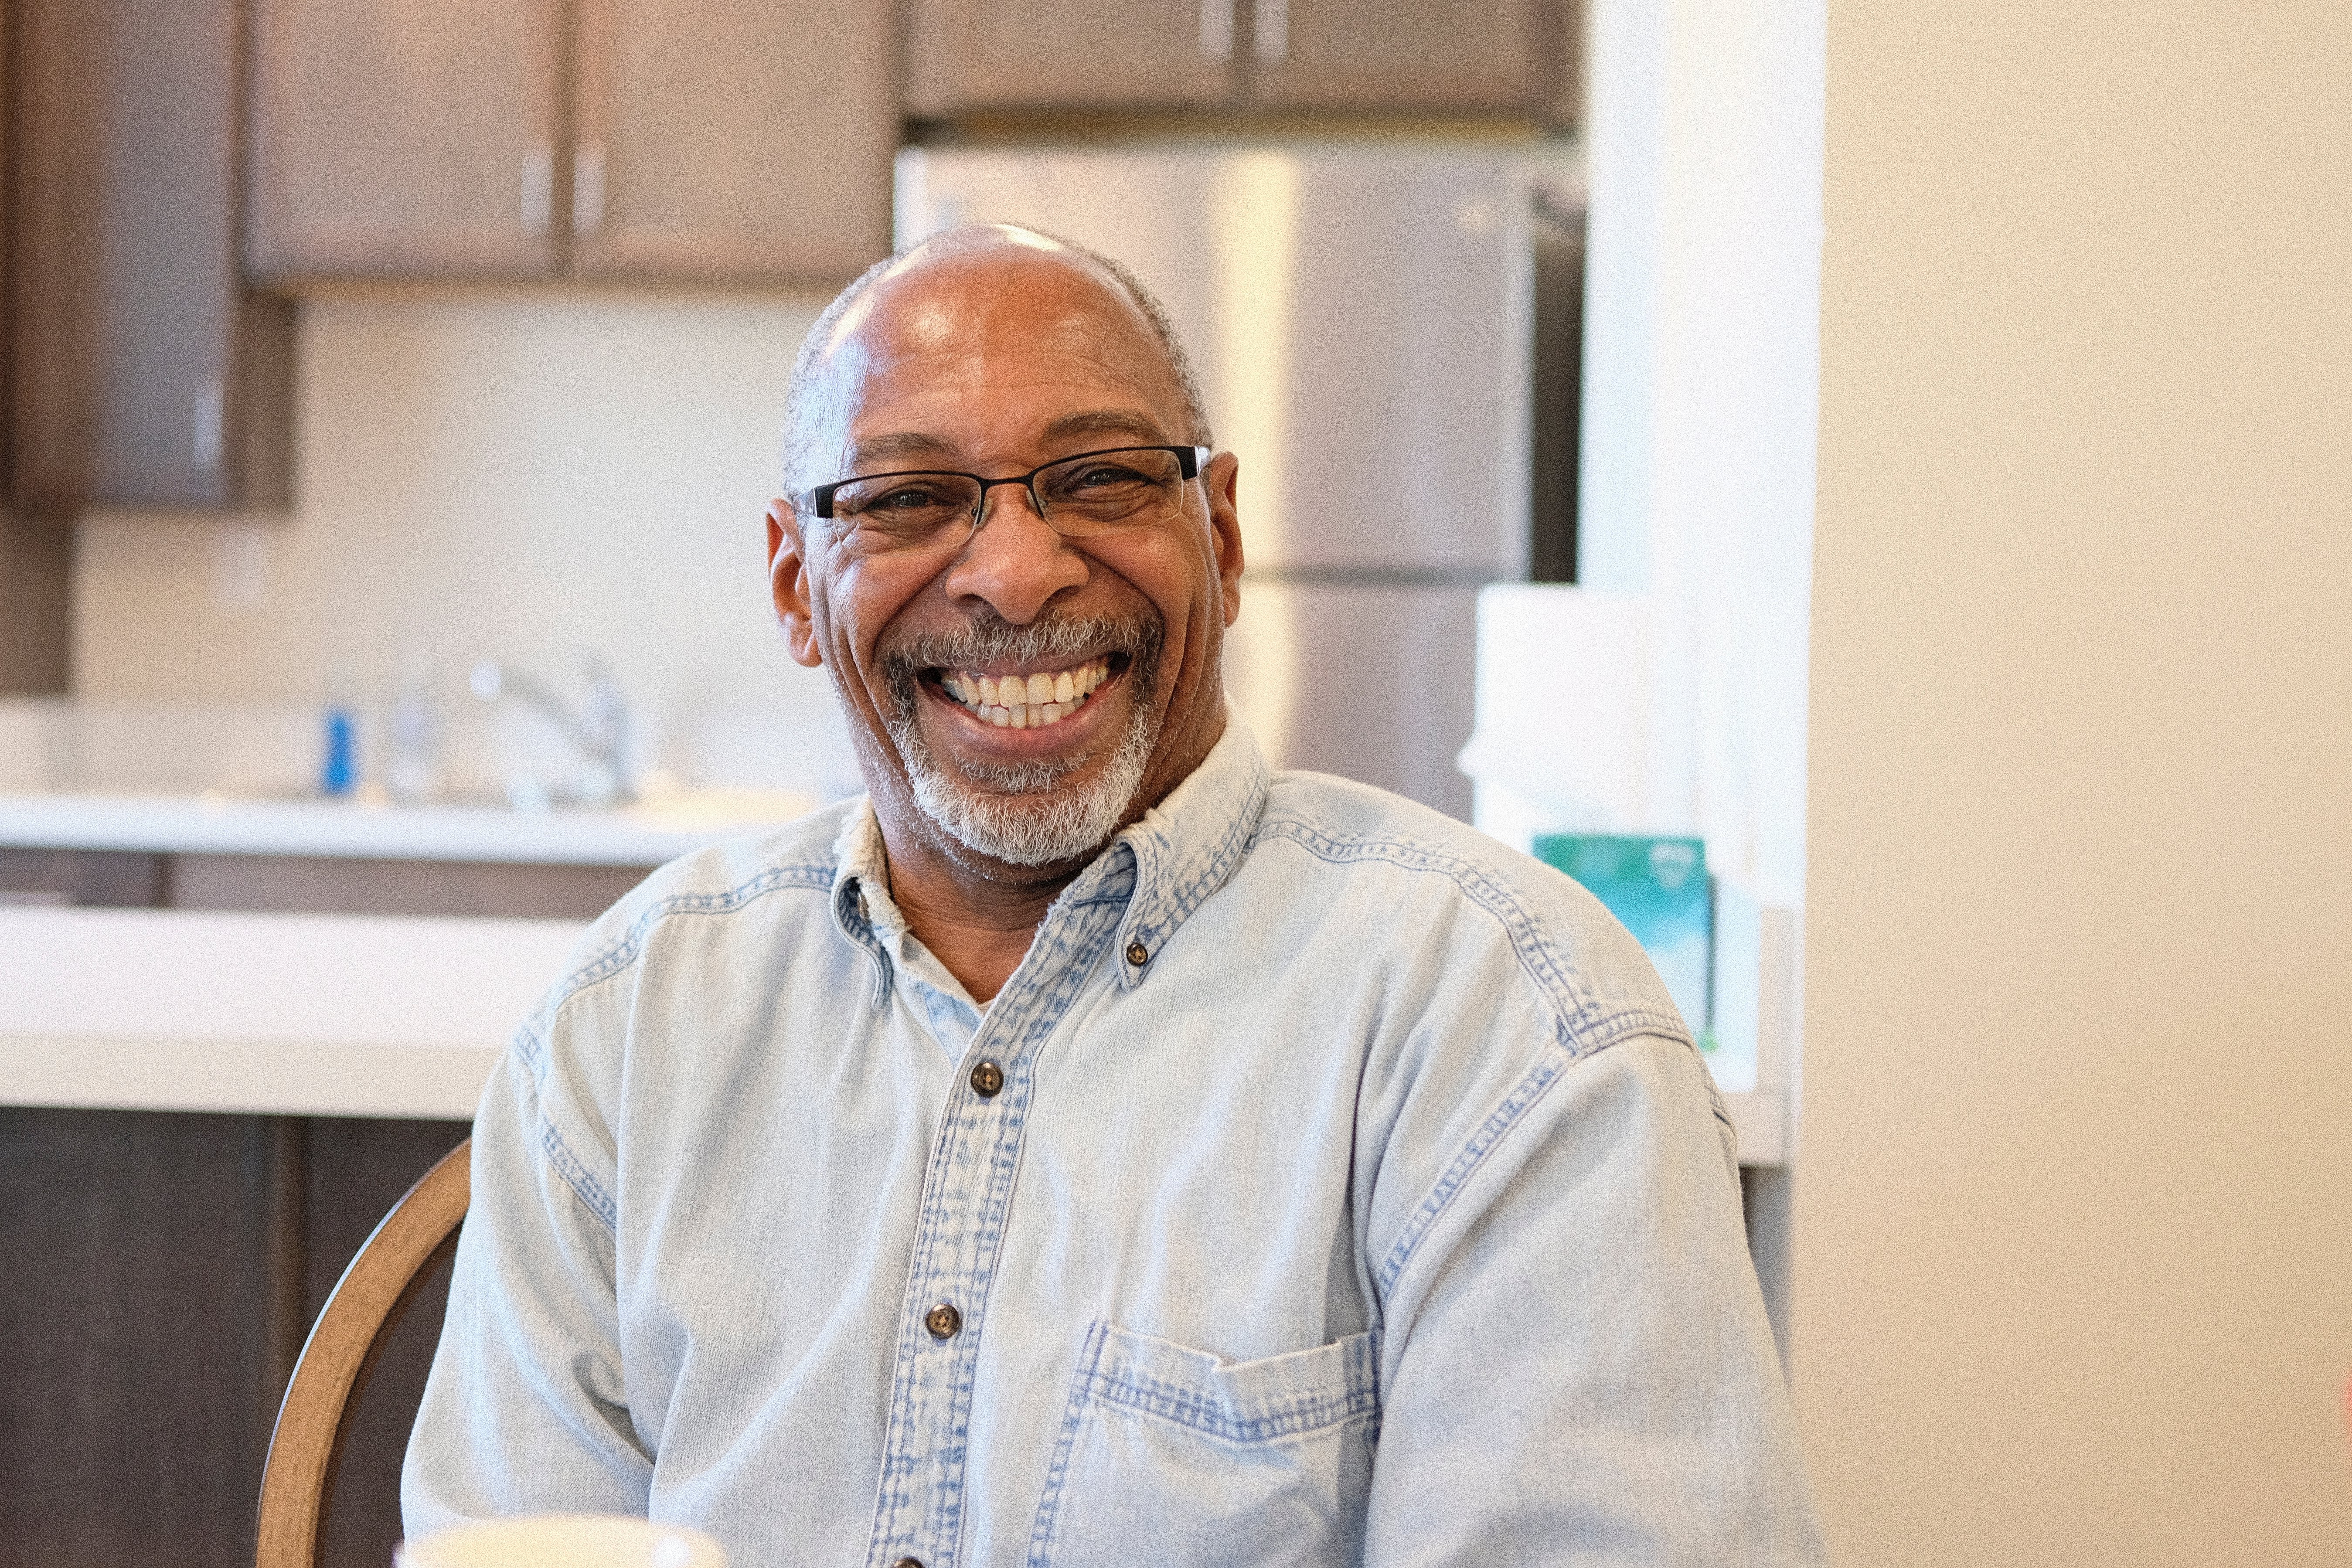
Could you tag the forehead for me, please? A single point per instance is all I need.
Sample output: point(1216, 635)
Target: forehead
point(996, 336)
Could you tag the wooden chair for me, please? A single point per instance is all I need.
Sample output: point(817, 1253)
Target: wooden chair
point(367, 1304)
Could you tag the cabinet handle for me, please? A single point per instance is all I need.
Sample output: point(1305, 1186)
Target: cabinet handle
point(1271, 44)
point(588, 190)
point(208, 441)
point(538, 187)
point(1217, 30)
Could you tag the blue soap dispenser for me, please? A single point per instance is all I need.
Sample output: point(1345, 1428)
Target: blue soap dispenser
point(339, 764)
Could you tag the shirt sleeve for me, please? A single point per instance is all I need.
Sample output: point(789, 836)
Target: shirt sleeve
point(525, 1410)
point(1578, 1368)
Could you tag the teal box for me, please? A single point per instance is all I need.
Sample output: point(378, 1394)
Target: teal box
point(1657, 889)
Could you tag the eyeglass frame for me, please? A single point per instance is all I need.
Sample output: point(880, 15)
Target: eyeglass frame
point(817, 500)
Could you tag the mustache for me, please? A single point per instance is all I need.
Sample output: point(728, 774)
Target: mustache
point(987, 638)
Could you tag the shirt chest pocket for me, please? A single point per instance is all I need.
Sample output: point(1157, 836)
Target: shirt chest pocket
point(1170, 1457)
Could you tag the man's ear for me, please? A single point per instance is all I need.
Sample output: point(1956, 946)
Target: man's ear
point(788, 583)
point(1225, 527)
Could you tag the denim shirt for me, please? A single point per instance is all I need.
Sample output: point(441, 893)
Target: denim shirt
point(1328, 1185)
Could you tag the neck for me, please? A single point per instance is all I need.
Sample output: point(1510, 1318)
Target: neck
point(976, 916)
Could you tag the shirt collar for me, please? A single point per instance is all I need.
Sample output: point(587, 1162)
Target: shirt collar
point(1163, 867)
point(1187, 847)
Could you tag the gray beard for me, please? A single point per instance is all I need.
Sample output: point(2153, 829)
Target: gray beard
point(1024, 814)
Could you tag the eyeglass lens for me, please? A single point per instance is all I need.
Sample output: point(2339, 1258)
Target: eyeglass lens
point(1081, 495)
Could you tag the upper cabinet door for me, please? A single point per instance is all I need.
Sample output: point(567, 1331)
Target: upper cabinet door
point(404, 138)
point(1070, 54)
point(1469, 56)
point(743, 141)
point(142, 372)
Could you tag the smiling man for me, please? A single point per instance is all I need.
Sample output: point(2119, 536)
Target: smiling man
point(1089, 1147)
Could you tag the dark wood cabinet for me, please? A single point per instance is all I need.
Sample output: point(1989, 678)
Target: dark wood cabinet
point(35, 553)
point(1489, 55)
point(415, 140)
point(726, 141)
point(967, 54)
point(36, 606)
point(1508, 58)
point(162, 1271)
point(142, 371)
point(723, 140)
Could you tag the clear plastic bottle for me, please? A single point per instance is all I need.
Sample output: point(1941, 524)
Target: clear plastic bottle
point(412, 768)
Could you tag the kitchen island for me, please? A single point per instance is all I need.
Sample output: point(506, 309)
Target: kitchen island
point(232, 1032)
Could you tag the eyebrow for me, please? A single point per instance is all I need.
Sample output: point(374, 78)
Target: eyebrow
point(899, 445)
point(1106, 422)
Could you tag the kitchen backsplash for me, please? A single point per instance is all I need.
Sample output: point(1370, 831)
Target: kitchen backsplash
point(526, 477)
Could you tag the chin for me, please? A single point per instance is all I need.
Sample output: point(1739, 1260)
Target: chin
point(1061, 818)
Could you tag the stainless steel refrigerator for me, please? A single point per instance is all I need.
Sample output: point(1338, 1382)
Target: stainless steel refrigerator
point(1387, 335)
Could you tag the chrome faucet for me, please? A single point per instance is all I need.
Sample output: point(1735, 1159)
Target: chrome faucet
point(599, 730)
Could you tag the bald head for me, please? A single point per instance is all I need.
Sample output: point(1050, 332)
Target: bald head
point(960, 285)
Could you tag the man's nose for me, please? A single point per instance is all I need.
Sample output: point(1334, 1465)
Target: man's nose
point(1014, 560)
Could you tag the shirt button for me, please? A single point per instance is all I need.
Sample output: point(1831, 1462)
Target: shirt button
point(987, 1078)
point(943, 1320)
point(908, 1562)
point(1138, 954)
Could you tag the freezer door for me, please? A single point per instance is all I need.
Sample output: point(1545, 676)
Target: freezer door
point(1361, 319)
point(1374, 683)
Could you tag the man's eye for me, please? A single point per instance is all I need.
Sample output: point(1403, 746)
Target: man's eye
point(905, 498)
point(1105, 476)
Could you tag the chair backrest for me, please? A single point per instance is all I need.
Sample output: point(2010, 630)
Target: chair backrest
point(367, 1304)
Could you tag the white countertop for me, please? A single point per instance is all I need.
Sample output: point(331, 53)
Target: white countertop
point(629, 836)
point(295, 1015)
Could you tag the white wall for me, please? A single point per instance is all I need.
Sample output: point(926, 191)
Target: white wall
point(520, 475)
point(2073, 1213)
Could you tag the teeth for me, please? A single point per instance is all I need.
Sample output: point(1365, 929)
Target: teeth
point(1026, 701)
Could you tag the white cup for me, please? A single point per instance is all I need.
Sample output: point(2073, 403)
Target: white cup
point(562, 1541)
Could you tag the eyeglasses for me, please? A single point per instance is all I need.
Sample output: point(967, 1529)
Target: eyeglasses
point(1092, 492)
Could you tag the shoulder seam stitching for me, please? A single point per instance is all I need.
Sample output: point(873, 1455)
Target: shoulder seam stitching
point(1579, 1027)
point(616, 955)
point(1499, 1123)
point(621, 950)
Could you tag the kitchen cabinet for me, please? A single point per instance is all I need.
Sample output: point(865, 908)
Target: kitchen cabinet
point(310, 884)
point(1512, 57)
point(142, 371)
point(164, 1268)
point(1500, 55)
point(723, 140)
point(36, 606)
point(1093, 53)
point(412, 140)
point(35, 553)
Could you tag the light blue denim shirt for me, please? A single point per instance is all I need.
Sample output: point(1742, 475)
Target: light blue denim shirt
point(1329, 1185)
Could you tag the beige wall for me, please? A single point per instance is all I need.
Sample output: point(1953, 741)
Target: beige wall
point(524, 474)
point(2074, 1207)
